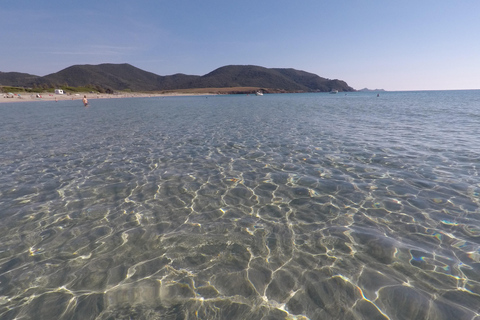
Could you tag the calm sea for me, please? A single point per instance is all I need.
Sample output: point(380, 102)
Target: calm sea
point(286, 206)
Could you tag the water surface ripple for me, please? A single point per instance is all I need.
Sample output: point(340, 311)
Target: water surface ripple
point(293, 206)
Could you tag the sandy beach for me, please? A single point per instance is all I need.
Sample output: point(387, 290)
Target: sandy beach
point(79, 96)
point(26, 97)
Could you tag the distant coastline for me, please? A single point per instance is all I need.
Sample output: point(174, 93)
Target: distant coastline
point(371, 90)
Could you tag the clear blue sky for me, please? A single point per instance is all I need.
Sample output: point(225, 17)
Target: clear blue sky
point(394, 45)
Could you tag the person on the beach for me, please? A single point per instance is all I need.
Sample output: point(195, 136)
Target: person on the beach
point(85, 101)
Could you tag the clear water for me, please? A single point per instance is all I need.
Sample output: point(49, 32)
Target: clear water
point(293, 206)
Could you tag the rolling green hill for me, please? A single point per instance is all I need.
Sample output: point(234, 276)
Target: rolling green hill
point(126, 76)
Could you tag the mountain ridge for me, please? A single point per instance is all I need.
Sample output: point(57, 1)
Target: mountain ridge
point(127, 77)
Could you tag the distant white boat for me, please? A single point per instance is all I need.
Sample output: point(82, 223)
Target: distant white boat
point(259, 93)
point(334, 91)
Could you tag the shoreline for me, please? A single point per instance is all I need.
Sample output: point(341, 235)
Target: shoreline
point(90, 96)
point(49, 96)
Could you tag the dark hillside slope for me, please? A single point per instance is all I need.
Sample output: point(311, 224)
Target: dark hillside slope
point(16, 79)
point(248, 76)
point(116, 76)
point(177, 81)
point(314, 82)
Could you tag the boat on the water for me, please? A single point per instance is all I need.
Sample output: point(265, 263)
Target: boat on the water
point(334, 91)
point(259, 93)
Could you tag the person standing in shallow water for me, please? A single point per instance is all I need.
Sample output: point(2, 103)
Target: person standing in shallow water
point(85, 101)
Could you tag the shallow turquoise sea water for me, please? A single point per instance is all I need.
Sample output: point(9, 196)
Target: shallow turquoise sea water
point(288, 206)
